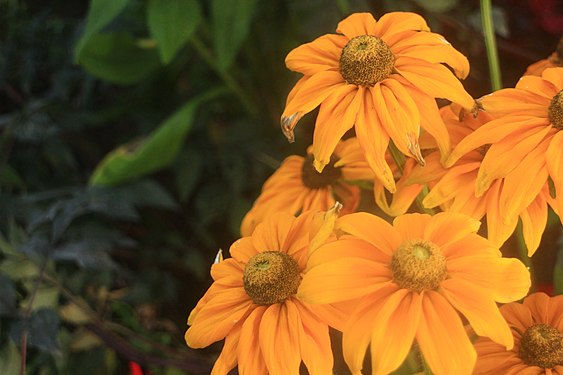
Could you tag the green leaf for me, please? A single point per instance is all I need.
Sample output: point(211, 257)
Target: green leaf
point(10, 359)
point(7, 296)
point(42, 329)
point(118, 58)
point(157, 151)
point(438, 6)
point(171, 23)
point(101, 12)
point(231, 24)
point(9, 177)
point(45, 297)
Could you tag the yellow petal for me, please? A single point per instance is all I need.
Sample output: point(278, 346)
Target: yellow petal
point(411, 226)
point(555, 76)
point(534, 221)
point(442, 337)
point(372, 229)
point(449, 227)
point(323, 224)
point(227, 360)
point(499, 227)
point(515, 102)
point(554, 161)
point(319, 55)
point(393, 23)
point(250, 359)
point(449, 186)
point(357, 24)
point(271, 234)
point(347, 246)
point(538, 86)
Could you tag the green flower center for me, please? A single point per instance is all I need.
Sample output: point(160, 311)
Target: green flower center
point(315, 180)
point(542, 345)
point(366, 60)
point(418, 265)
point(555, 111)
point(271, 277)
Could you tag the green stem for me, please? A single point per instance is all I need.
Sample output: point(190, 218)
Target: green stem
point(229, 81)
point(490, 44)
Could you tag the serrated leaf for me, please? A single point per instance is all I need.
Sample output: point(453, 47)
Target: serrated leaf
point(171, 23)
point(42, 330)
point(100, 13)
point(231, 23)
point(7, 296)
point(74, 314)
point(118, 58)
point(155, 152)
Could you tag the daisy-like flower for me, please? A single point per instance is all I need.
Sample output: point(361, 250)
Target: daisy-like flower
point(252, 304)
point(381, 77)
point(553, 61)
point(453, 189)
point(537, 326)
point(297, 186)
point(412, 279)
point(525, 138)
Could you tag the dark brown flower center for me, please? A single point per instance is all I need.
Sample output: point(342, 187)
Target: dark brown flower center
point(555, 111)
point(315, 180)
point(542, 345)
point(366, 60)
point(418, 265)
point(271, 277)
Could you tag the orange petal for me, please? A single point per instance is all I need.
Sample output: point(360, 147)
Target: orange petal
point(250, 359)
point(432, 171)
point(515, 102)
point(400, 201)
point(271, 234)
point(478, 306)
point(243, 249)
point(399, 116)
point(228, 268)
point(374, 140)
point(449, 186)
point(539, 305)
point(321, 54)
point(434, 79)
point(517, 315)
point(450, 227)
point(442, 338)
point(336, 116)
point(372, 229)
point(227, 360)
point(538, 86)
point(534, 221)
point(397, 22)
point(506, 278)
point(433, 48)
point(347, 246)
point(554, 161)
point(472, 245)
point(342, 280)
point(499, 226)
point(555, 76)
point(360, 327)
point(279, 338)
point(357, 24)
point(396, 325)
point(411, 226)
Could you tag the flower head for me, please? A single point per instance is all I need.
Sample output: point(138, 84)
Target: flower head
point(412, 279)
point(381, 77)
point(525, 138)
point(537, 326)
point(252, 304)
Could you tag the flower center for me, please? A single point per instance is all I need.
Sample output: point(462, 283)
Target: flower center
point(271, 277)
point(315, 180)
point(542, 345)
point(366, 60)
point(418, 265)
point(555, 111)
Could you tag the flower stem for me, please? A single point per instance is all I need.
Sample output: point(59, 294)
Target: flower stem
point(490, 44)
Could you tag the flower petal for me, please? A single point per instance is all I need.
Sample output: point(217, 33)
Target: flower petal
point(411, 226)
point(534, 221)
point(336, 116)
point(250, 359)
point(347, 246)
point(227, 360)
point(319, 55)
point(538, 86)
point(480, 310)
point(554, 161)
point(442, 338)
point(372, 229)
point(555, 76)
point(243, 249)
point(515, 102)
point(518, 316)
point(271, 234)
point(397, 22)
point(357, 24)
point(449, 227)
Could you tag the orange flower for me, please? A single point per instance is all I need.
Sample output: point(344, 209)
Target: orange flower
point(553, 61)
point(252, 304)
point(453, 189)
point(381, 76)
point(526, 140)
point(410, 278)
point(537, 326)
point(296, 186)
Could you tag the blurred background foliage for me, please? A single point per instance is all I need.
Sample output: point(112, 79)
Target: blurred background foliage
point(135, 134)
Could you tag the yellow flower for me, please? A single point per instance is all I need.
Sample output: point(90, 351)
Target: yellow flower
point(381, 76)
point(453, 189)
point(537, 326)
point(526, 139)
point(252, 304)
point(296, 186)
point(409, 279)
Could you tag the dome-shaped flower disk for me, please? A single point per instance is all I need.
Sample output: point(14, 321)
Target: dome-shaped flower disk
point(453, 189)
point(526, 139)
point(411, 280)
point(537, 326)
point(381, 77)
point(252, 304)
point(296, 186)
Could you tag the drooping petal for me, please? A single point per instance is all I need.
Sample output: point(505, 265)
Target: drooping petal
point(393, 23)
point(434, 79)
point(357, 24)
point(480, 310)
point(396, 325)
point(442, 337)
point(374, 140)
point(372, 229)
point(449, 227)
point(360, 326)
point(336, 116)
point(279, 338)
point(250, 359)
point(400, 201)
point(227, 360)
point(534, 221)
point(319, 55)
